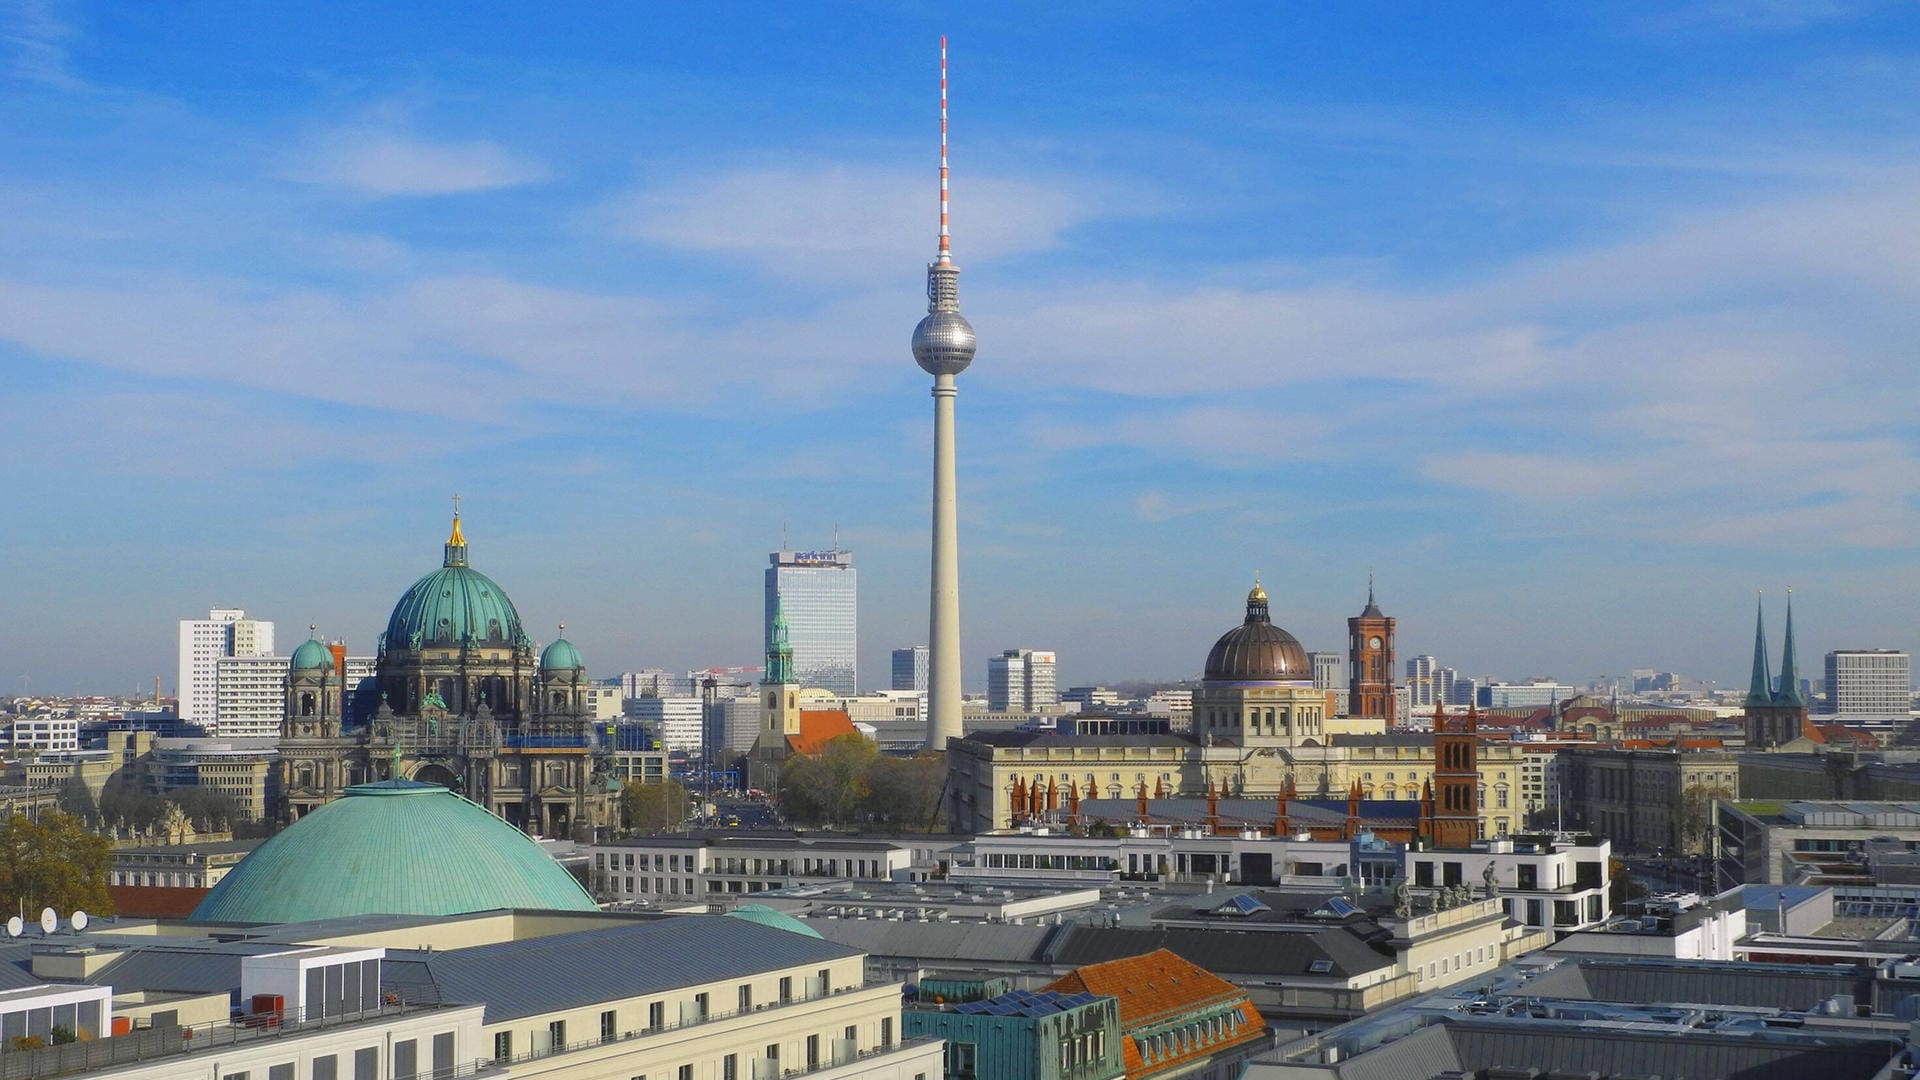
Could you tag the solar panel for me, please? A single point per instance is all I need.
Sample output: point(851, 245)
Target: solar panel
point(1338, 905)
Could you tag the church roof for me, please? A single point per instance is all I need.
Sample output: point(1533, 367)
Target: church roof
point(392, 848)
point(453, 603)
point(818, 727)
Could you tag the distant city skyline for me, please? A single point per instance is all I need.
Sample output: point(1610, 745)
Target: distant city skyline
point(1575, 325)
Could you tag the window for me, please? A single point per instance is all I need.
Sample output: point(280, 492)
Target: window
point(1320, 967)
point(686, 1072)
point(557, 1031)
point(656, 1015)
point(608, 1027)
point(406, 1059)
point(503, 1046)
point(700, 1006)
point(730, 1067)
point(746, 997)
point(773, 1055)
point(962, 1058)
point(366, 1064)
point(813, 1051)
point(786, 989)
point(886, 1031)
point(326, 1068)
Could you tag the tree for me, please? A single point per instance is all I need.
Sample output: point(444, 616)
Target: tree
point(207, 809)
point(1695, 823)
point(127, 807)
point(827, 789)
point(653, 807)
point(905, 793)
point(74, 798)
point(54, 862)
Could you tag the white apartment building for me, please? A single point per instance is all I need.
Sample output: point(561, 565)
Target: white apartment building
point(602, 702)
point(250, 693)
point(1869, 682)
point(675, 719)
point(45, 732)
point(224, 632)
point(1021, 679)
point(1539, 782)
point(1329, 670)
point(1421, 692)
point(693, 869)
point(1527, 695)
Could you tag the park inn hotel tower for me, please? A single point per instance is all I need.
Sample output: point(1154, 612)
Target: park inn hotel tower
point(819, 593)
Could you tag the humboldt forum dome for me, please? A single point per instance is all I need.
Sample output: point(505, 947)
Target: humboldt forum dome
point(394, 847)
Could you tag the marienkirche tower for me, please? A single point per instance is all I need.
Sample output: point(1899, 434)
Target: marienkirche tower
point(943, 346)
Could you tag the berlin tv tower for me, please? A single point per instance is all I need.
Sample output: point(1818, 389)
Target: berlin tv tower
point(943, 347)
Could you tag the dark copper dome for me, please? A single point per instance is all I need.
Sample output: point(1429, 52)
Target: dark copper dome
point(1258, 650)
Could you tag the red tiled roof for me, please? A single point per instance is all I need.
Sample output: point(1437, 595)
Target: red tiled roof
point(818, 727)
point(1157, 987)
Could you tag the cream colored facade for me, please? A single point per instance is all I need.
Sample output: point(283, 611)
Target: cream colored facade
point(1397, 765)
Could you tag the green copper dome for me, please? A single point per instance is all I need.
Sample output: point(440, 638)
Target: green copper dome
point(454, 602)
point(561, 656)
point(311, 656)
point(391, 848)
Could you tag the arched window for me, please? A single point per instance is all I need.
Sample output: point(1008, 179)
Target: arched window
point(306, 704)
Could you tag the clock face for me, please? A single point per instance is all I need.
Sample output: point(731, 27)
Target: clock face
point(1373, 642)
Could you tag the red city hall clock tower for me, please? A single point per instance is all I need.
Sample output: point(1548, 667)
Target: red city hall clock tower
point(1370, 661)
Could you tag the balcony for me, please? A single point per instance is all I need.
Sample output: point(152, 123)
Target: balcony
point(172, 1041)
point(713, 1016)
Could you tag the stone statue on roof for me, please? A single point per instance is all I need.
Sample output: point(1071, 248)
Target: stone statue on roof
point(1402, 899)
point(1486, 879)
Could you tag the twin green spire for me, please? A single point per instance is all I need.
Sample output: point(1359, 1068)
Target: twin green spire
point(1760, 686)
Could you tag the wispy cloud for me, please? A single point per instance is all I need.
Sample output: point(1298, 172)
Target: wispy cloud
point(36, 38)
point(383, 163)
point(845, 220)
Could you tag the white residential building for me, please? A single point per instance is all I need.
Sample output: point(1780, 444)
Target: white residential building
point(1021, 679)
point(690, 869)
point(1421, 692)
point(675, 719)
point(45, 732)
point(224, 632)
point(1869, 682)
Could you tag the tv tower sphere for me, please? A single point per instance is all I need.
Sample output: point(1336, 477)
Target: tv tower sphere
point(943, 343)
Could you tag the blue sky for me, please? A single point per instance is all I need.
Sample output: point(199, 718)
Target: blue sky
point(1576, 323)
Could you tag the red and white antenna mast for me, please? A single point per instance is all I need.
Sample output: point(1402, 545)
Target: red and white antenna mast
point(945, 255)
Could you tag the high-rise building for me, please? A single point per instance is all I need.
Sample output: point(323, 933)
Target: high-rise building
point(675, 720)
point(1370, 654)
point(1869, 682)
point(819, 591)
point(943, 346)
point(224, 632)
point(1329, 670)
point(251, 693)
point(1421, 691)
point(1462, 691)
point(910, 668)
point(1021, 679)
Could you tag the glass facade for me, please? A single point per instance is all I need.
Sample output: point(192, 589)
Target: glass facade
point(819, 593)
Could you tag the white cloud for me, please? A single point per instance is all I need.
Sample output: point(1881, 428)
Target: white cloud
point(382, 163)
point(850, 221)
point(36, 39)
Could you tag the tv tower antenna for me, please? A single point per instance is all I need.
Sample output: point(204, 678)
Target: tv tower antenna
point(946, 255)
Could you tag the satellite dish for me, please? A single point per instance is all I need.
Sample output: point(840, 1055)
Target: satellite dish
point(49, 920)
point(14, 926)
point(79, 920)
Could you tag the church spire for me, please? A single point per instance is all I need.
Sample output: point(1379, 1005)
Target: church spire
point(779, 651)
point(1789, 665)
point(456, 543)
point(1760, 684)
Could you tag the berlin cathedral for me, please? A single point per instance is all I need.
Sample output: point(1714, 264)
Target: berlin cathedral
point(458, 699)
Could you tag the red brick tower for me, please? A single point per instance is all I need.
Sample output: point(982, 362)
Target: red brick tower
point(1370, 661)
point(1456, 779)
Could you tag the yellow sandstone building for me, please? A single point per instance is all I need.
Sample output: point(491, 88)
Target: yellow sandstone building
point(1258, 722)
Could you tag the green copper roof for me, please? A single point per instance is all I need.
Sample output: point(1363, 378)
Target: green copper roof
point(779, 671)
point(455, 601)
point(766, 916)
point(311, 656)
point(561, 656)
point(391, 848)
point(1789, 693)
point(1760, 683)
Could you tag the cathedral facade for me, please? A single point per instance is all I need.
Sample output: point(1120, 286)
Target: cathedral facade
point(464, 702)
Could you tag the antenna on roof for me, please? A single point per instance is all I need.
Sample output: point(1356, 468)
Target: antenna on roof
point(945, 254)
